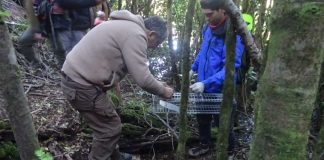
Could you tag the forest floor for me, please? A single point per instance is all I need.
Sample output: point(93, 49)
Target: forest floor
point(62, 133)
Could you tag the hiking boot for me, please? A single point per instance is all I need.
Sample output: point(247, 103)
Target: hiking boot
point(198, 151)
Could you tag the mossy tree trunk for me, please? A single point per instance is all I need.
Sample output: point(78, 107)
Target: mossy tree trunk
point(288, 87)
point(181, 149)
point(319, 127)
point(134, 7)
point(228, 95)
point(174, 68)
point(259, 26)
point(241, 28)
point(120, 3)
point(147, 8)
point(15, 102)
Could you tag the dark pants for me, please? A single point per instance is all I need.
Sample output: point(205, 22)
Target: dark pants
point(205, 124)
point(99, 113)
point(62, 43)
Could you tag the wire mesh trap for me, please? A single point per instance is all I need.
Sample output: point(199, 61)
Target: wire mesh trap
point(198, 103)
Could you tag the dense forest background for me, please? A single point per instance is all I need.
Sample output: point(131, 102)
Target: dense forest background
point(280, 103)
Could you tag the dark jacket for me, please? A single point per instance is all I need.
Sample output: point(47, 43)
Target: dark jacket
point(67, 14)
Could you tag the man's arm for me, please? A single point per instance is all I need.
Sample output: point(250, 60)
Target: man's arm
point(195, 64)
point(135, 57)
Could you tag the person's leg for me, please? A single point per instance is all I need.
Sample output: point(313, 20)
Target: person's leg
point(106, 126)
point(204, 127)
point(99, 113)
point(77, 35)
point(65, 41)
point(25, 45)
point(57, 43)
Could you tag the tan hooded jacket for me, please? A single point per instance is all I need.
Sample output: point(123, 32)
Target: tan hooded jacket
point(111, 50)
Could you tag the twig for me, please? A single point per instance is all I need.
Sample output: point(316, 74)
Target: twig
point(30, 86)
point(167, 125)
point(38, 94)
point(42, 106)
point(133, 88)
point(44, 79)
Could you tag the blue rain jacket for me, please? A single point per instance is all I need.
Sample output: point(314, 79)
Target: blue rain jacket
point(210, 61)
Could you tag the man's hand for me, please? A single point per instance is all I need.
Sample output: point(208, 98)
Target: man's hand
point(38, 37)
point(168, 92)
point(198, 87)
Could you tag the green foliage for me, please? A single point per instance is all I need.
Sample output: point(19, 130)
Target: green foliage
point(4, 14)
point(214, 132)
point(4, 125)
point(114, 98)
point(310, 8)
point(135, 109)
point(131, 130)
point(22, 26)
point(8, 150)
point(42, 155)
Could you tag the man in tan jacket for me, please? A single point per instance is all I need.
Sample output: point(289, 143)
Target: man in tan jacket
point(99, 61)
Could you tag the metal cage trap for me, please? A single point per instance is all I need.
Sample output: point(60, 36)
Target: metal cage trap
point(198, 103)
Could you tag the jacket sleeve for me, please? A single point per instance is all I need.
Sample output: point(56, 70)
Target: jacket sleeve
point(135, 58)
point(76, 4)
point(219, 77)
point(195, 64)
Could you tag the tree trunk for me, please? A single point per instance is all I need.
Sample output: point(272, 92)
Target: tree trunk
point(147, 8)
point(234, 12)
point(318, 128)
point(259, 27)
point(128, 5)
point(181, 149)
point(134, 6)
point(120, 3)
point(288, 87)
point(15, 101)
point(174, 69)
point(245, 6)
point(34, 23)
point(228, 95)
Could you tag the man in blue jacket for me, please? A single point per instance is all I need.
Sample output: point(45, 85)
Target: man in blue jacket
point(210, 66)
point(63, 22)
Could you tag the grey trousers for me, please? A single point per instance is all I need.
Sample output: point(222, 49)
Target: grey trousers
point(62, 42)
point(99, 113)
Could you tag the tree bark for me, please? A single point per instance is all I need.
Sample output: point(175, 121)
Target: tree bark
point(15, 101)
point(319, 120)
point(181, 149)
point(288, 87)
point(259, 27)
point(174, 60)
point(234, 12)
point(120, 3)
point(147, 8)
point(134, 6)
point(228, 95)
point(34, 23)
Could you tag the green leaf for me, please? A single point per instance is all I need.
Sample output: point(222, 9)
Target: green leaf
point(4, 14)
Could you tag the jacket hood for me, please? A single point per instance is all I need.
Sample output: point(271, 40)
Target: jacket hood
point(126, 15)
